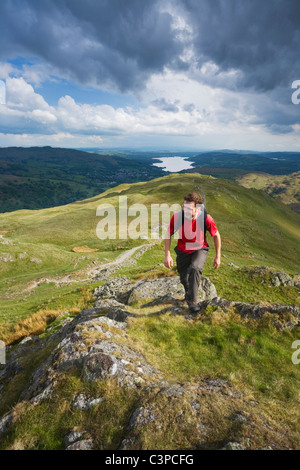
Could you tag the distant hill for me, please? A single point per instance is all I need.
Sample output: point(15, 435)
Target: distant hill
point(276, 173)
point(40, 177)
point(230, 164)
point(286, 188)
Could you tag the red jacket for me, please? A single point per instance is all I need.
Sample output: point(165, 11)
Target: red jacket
point(191, 234)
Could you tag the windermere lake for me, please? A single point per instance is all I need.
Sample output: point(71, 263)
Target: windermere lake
point(173, 164)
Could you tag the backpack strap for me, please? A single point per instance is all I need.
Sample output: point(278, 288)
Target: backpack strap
point(205, 217)
point(179, 220)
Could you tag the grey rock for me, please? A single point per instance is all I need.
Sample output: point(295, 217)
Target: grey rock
point(155, 288)
point(127, 443)
point(119, 314)
point(207, 290)
point(215, 384)
point(173, 390)
point(248, 310)
point(46, 393)
point(72, 437)
point(275, 281)
point(234, 446)
point(99, 365)
point(253, 403)
point(257, 311)
point(5, 422)
point(240, 417)
point(3, 241)
point(114, 309)
point(285, 279)
point(7, 257)
point(82, 402)
point(109, 359)
point(12, 368)
point(141, 417)
point(36, 260)
point(114, 288)
point(220, 302)
point(168, 286)
point(86, 444)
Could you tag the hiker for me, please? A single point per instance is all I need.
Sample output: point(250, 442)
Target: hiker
point(192, 248)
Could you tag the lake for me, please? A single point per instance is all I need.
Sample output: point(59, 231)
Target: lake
point(174, 164)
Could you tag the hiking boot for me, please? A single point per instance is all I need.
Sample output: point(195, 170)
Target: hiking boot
point(194, 307)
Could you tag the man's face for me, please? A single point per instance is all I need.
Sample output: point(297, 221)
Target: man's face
point(189, 210)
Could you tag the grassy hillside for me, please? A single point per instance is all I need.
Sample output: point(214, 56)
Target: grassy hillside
point(36, 246)
point(283, 187)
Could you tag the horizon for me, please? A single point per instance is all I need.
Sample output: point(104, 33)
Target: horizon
point(151, 149)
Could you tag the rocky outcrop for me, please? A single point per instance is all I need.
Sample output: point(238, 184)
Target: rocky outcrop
point(96, 345)
point(90, 343)
point(122, 289)
point(272, 277)
point(170, 290)
point(285, 316)
point(155, 288)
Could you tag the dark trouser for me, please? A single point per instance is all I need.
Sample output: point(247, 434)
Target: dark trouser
point(190, 267)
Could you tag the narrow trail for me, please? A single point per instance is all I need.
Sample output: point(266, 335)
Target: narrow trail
point(94, 272)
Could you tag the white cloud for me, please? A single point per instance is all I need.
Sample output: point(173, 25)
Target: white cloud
point(42, 116)
point(174, 108)
point(21, 95)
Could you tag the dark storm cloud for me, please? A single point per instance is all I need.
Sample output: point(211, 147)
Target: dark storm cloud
point(123, 42)
point(258, 38)
point(93, 41)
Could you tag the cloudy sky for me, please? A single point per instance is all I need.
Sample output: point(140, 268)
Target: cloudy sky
point(177, 74)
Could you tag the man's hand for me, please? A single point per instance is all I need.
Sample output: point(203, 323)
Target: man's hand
point(217, 242)
point(168, 258)
point(168, 261)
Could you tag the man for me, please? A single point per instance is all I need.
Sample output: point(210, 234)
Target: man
point(192, 247)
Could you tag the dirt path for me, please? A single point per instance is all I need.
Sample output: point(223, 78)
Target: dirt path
point(92, 272)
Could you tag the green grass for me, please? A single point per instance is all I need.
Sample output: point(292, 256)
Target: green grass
point(252, 355)
point(44, 427)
